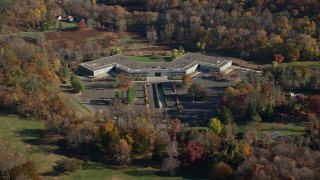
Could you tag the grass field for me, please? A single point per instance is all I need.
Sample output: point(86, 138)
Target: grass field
point(65, 25)
point(150, 58)
point(289, 129)
point(81, 110)
point(315, 64)
point(26, 138)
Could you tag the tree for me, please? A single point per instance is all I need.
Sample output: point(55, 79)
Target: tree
point(131, 95)
point(122, 153)
point(60, 25)
point(221, 171)
point(93, 2)
point(115, 51)
point(175, 53)
point(117, 95)
point(278, 58)
point(201, 45)
point(174, 128)
point(76, 84)
point(225, 115)
point(198, 91)
point(82, 24)
point(268, 114)
point(152, 35)
point(110, 137)
point(169, 165)
point(195, 151)
point(66, 70)
point(215, 125)
point(160, 145)
point(141, 139)
point(251, 111)
point(186, 81)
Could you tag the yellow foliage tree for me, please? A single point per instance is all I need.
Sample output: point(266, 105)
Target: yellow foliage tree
point(246, 150)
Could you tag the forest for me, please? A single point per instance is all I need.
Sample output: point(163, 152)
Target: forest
point(34, 65)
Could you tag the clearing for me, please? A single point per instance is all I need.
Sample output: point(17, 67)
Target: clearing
point(27, 138)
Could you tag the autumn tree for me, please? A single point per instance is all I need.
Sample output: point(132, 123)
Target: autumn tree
point(221, 171)
point(186, 81)
point(115, 51)
point(215, 125)
point(141, 140)
point(82, 134)
point(110, 137)
point(195, 151)
point(174, 128)
point(278, 58)
point(82, 24)
point(152, 34)
point(122, 153)
point(198, 91)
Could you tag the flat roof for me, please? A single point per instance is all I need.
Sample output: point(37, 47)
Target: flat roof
point(182, 63)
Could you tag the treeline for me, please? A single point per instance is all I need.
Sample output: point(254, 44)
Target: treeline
point(252, 29)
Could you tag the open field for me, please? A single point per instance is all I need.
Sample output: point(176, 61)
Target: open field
point(312, 64)
point(26, 138)
point(80, 108)
point(288, 129)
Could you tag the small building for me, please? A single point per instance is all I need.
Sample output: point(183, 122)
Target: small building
point(186, 64)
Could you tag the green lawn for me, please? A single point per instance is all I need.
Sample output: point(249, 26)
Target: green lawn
point(26, 138)
point(289, 129)
point(81, 110)
point(65, 25)
point(305, 64)
point(96, 171)
point(151, 58)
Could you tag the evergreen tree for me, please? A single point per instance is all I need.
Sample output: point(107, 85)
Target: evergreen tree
point(225, 115)
point(76, 84)
point(268, 114)
point(251, 111)
point(117, 95)
point(131, 95)
point(60, 25)
point(66, 70)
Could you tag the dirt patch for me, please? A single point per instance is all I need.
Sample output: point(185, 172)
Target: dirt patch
point(73, 38)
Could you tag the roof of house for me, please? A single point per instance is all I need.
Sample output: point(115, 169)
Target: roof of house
point(182, 63)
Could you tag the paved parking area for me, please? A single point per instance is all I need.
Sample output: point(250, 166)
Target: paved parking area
point(99, 94)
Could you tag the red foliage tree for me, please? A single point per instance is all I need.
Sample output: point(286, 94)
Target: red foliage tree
point(82, 24)
point(195, 151)
point(278, 58)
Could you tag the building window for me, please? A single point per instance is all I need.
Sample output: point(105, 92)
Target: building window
point(158, 74)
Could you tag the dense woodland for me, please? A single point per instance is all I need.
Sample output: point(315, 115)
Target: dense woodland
point(253, 29)
point(31, 71)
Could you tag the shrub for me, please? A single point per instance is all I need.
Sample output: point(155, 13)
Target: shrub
point(141, 140)
point(26, 170)
point(221, 171)
point(68, 165)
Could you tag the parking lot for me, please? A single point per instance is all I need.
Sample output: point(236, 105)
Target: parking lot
point(100, 94)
